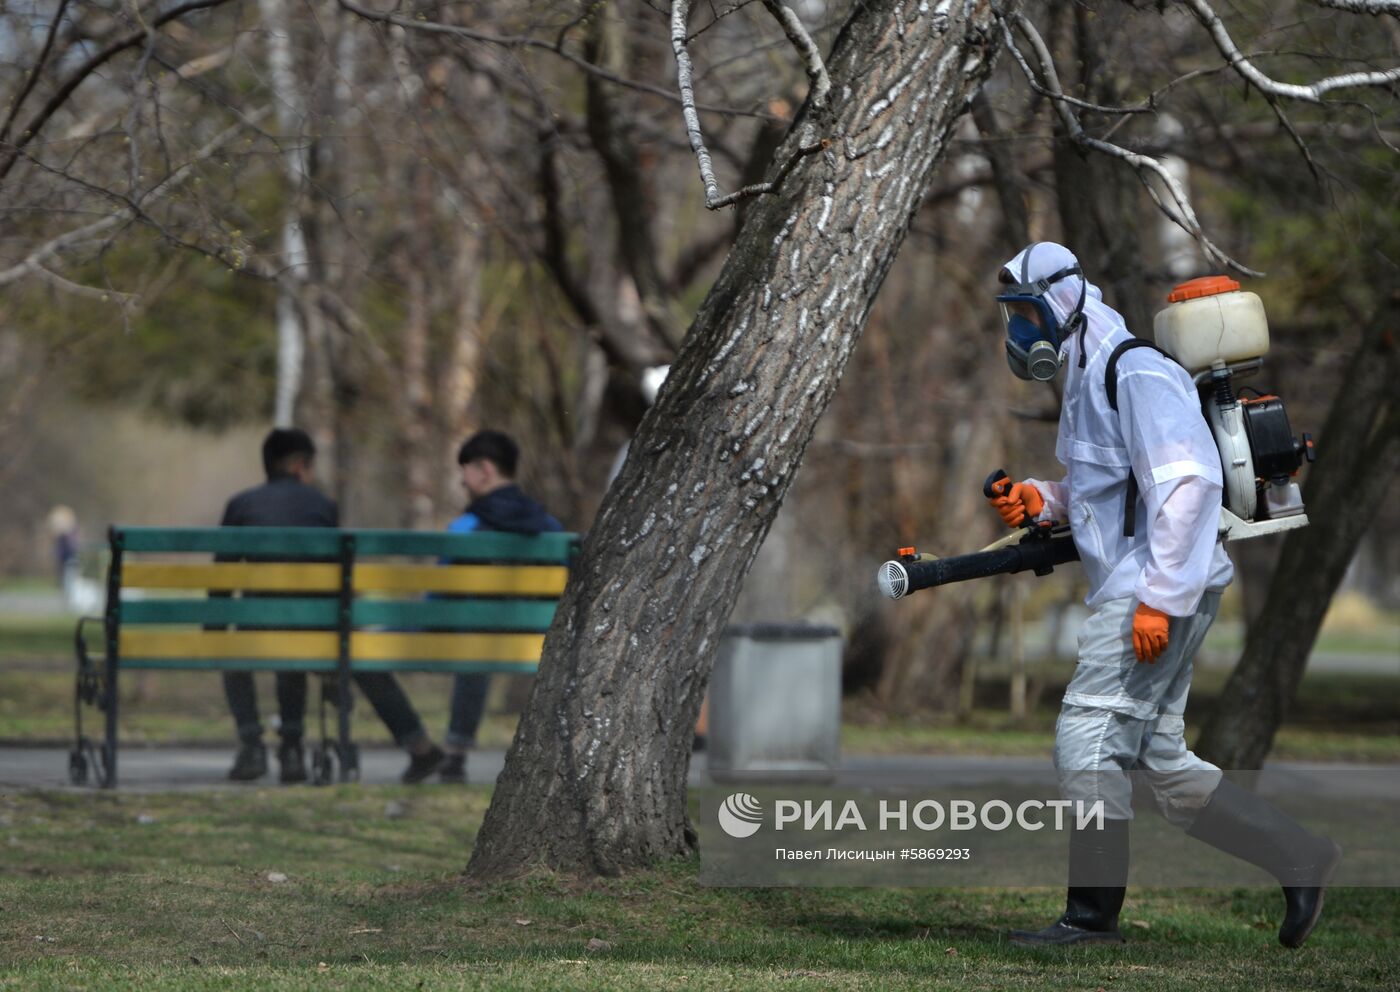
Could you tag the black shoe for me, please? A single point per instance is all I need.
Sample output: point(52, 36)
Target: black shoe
point(453, 770)
point(1241, 823)
point(292, 761)
point(251, 762)
point(420, 766)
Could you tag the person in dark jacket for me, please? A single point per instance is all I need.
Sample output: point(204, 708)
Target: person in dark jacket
point(288, 499)
point(487, 460)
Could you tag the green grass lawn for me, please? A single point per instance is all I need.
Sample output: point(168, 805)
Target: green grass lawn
point(358, 887)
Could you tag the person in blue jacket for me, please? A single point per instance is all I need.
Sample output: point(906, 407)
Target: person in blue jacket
point(488, 461)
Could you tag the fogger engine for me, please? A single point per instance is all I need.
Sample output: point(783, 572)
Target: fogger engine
point(1219, 334)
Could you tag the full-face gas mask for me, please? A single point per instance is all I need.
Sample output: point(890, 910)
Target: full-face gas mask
point(1033, 333)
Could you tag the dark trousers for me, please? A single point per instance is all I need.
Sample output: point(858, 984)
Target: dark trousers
point(391, 703)
point(380, 688)
point(243, 704)
point(468, 706)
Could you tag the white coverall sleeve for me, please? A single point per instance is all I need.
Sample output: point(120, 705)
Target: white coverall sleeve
point(1056, 496)
point(1179, 478)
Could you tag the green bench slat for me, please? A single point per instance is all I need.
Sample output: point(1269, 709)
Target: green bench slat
point(457, 615)
point(464, 615)
point(554, 548)
point(290, 612)
point(323, 542)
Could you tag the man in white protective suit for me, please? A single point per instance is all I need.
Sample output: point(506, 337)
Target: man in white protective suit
point(1142, 493)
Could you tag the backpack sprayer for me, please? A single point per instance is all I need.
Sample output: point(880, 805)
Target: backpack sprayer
point(1218, 334)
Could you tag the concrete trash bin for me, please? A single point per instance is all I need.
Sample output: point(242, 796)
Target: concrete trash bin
point(775, 704)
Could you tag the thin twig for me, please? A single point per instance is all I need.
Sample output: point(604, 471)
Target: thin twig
point(525, 41)
point(40, 256)
point(32, 77)
point(759, 189)
point(10, 153)
point(231, 930)
point(1179, 211)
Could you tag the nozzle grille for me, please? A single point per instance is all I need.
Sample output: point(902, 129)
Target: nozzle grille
point(892, 579)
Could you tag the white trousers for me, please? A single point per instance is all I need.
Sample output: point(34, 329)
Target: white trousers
point(1122, 716)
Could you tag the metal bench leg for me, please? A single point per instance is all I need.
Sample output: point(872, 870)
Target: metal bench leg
point(87, 691)
point(107, 766)
point(346, 750)
point(107, 772)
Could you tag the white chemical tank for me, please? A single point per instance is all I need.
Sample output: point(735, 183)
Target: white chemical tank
point(1209, 320)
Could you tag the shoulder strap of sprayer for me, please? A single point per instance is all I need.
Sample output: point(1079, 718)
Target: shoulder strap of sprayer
point(1110, 385)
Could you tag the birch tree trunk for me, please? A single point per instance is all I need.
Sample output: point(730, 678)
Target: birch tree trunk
point(595, 780)
point(290, 105)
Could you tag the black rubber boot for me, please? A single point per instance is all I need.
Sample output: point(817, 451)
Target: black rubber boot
point(1242, 824)
point(1099, 857)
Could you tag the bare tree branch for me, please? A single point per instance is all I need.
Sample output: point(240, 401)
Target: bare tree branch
point(99, 293)
point(525, 41)
point(1311, 93)
point(1179, 211)
point(714, 200)
point(32, 76)
point(34, 263)
point(806, 48)
point(1362, 6)
point(9, 154)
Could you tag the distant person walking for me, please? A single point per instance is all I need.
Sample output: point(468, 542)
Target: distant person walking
point(488, 462)
point(81, 595)
point(288, 499)
point(63, 528)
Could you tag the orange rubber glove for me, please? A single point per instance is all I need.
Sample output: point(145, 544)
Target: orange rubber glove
point(1149, 633)
point(1019, 502)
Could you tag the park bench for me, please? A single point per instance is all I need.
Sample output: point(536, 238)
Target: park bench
point(315, 600)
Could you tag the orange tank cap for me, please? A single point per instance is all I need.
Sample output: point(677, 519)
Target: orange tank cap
point(1204, 286)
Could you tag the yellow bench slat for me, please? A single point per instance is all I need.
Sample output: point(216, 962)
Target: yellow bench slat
point(382, 646)
point(480, 580)
point(261, 576)
point(316, 645)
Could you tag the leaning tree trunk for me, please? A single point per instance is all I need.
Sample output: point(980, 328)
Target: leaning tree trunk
point(1358, 460)
point(595, 780)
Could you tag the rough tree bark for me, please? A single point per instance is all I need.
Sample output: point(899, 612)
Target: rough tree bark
point(595, 780)
point(1358, 459)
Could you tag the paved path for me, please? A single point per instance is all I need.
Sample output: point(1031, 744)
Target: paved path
point(177, 769)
